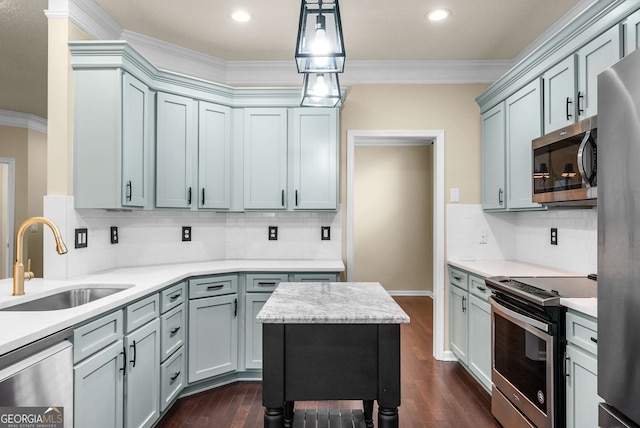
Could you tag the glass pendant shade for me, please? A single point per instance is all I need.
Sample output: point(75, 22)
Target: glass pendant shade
point(320, 48)
point(320, 90)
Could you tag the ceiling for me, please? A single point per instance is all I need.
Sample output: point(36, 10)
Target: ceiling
point(373, 30)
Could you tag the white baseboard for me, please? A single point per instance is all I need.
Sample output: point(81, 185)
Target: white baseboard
point(448, 356)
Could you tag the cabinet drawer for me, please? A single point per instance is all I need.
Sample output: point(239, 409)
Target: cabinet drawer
point(315, 277)
point(582, 332)
point(141, 312)
point(172, 327)
point(263, 282)
point(92, 337)
point(212, 286)
point(478, 287)
point(171, 379)
point(172, 296)
point(459, 278)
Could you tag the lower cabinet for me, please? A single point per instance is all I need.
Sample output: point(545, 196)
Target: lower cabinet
point(98, 388)
point(213, 335)
point(253, 334)
point(581, 377)
point(470, 324)
point(116, 371)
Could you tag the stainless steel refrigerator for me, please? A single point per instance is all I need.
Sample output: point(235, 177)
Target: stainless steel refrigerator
point(619, 243)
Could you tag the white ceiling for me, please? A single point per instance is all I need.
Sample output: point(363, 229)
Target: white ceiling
point(373, 30)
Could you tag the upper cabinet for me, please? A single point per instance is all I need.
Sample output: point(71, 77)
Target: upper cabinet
point(196, 144)
point(523, 124)
point(113, 140)
point(493, 159)
point(265, 158)
point(175, 151)
point(632, 33)
point(570, 87)
point(214, 156)
point(315, 158)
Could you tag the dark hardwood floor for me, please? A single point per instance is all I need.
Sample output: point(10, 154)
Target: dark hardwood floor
point(434, 393)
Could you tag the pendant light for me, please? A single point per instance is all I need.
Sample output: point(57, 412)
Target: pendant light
point(320, 47)
point(320, 90)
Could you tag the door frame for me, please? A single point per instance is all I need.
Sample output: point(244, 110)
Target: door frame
point(11, 208)
point(404, 138)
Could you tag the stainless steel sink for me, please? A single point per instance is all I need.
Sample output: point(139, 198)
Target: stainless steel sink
point(67, 299)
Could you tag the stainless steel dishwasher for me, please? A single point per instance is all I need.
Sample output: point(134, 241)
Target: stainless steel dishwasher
point(38, 375)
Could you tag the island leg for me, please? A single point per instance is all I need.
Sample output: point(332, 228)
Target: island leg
point(368, 413)
point(388, 417)
point(288, 414)
point(388, 375)
point(273, 375)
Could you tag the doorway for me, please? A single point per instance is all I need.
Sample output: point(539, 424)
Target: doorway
point(406, 138)
point(7, 210)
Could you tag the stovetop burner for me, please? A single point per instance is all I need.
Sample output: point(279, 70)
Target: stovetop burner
point(543, 291)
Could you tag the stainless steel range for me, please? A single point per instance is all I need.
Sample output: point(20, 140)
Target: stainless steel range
point(527, 347)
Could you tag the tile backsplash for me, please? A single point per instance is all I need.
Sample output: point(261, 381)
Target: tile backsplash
point(525, 236)
point(154, 237)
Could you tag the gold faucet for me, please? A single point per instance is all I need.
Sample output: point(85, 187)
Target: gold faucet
point(19, 275)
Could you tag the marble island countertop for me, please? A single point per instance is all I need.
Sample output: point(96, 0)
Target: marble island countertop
point(22, 328)
point(331, 303)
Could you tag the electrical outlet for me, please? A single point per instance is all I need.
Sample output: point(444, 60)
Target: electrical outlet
point(483, 237)
point(186, 233)
point(114, 235)
point(554, 236)
point(273, 233)
point(82, 236)
point(325, 233)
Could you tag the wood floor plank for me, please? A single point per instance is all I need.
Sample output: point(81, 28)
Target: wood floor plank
point(435, 393)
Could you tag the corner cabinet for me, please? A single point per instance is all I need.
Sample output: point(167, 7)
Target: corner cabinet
point(315, 158)
point(493, 159)
point(113, 140)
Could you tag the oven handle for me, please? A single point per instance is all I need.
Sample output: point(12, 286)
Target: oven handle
point(522, 318)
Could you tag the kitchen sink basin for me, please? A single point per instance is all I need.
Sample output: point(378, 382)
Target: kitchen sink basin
point(68, 298)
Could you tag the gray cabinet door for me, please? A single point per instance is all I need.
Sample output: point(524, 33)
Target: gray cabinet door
point(458, 322)
point(175, 151)
point(523, 124)
point(213, 336)
point(214, 156)
point(480, 340)
point(315, 158)
point(632, 33)
point(98, 389)
point(265, 158)
point(593, 58)
point(582, 388)
point(253, 334)
point(493, 159)
point(142, 380)
point(137, 140)
point(559, 84)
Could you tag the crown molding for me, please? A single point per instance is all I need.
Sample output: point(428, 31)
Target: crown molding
point(23, 120)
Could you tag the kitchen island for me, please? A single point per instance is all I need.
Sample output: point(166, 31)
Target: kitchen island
point(331, 341)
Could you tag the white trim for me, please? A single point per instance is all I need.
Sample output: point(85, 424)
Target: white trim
point(11, 204)
point(448, 356)
point(395, 137)
point(418, 293)
point(23, 120)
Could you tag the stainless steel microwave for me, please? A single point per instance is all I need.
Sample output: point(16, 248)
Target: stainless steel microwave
point(565, 167)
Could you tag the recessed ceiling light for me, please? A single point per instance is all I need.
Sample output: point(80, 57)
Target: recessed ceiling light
point(241, 16)
point(438, 14)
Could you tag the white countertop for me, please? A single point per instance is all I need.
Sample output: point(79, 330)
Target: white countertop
point(331, 303)
point(21, 328)
point(487, 268)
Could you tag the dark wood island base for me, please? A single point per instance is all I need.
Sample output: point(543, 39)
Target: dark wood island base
point(316, 362)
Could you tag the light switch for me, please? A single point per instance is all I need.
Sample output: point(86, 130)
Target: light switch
point(455, 194)
point(325, 233)
point(82, 237)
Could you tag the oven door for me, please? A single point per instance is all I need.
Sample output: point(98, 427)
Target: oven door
point(522, 355)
